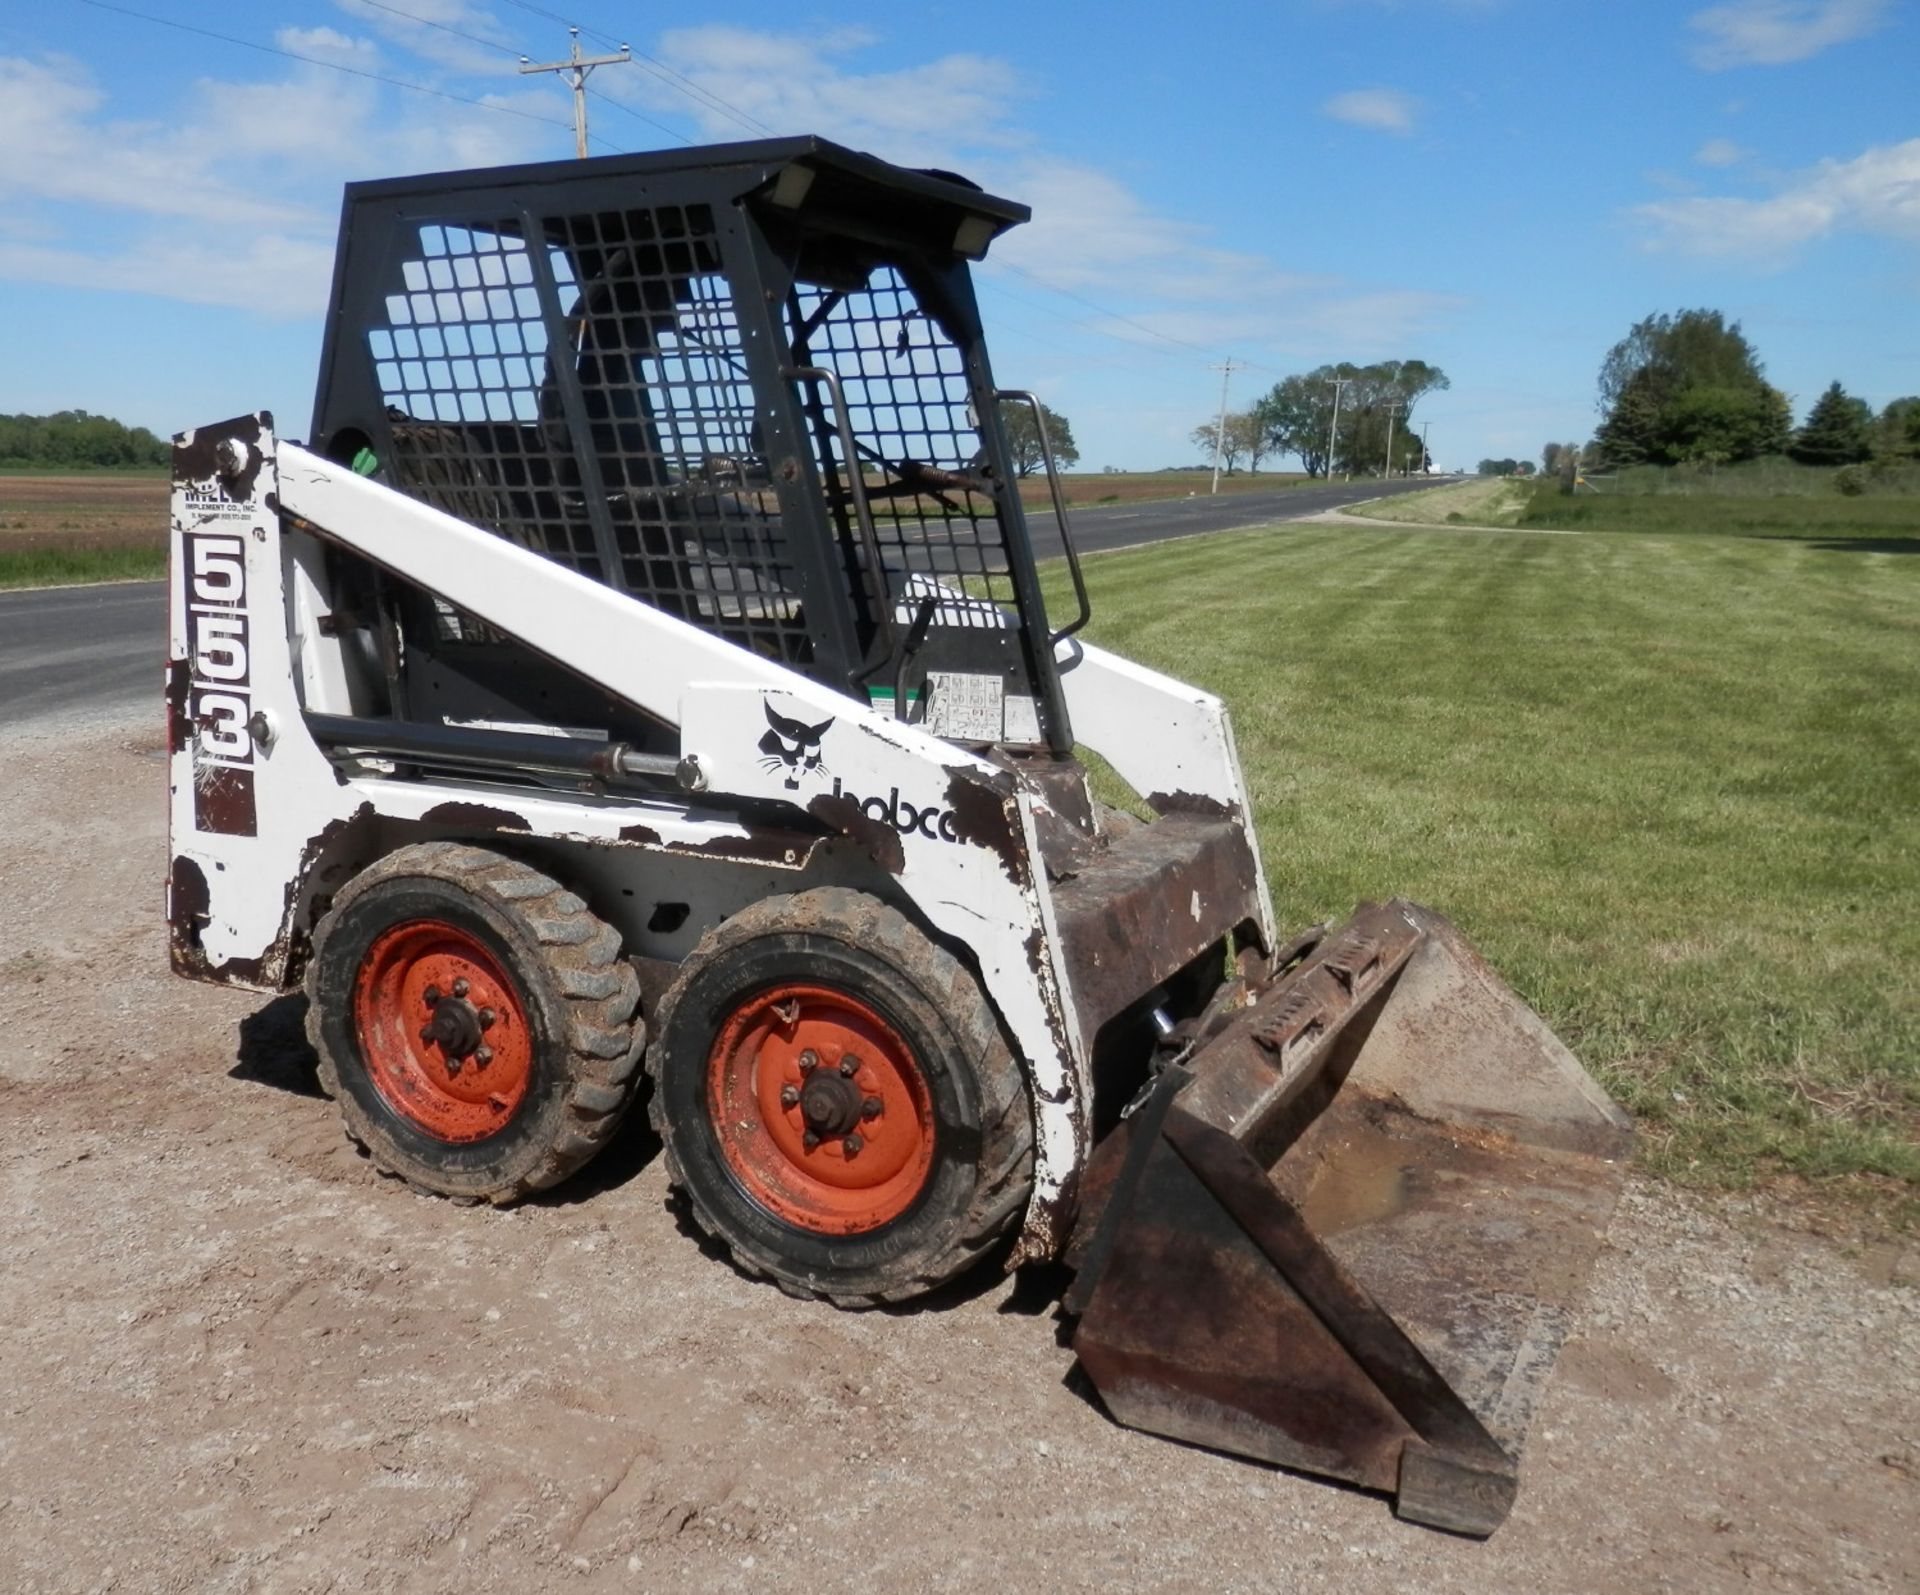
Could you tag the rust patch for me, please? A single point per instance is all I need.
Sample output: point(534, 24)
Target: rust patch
point(223, 800)
point(179, 720)
point(645, 835)
point(984, 815)
point(878, 838)
point(475, 816)
point(187, 911)
point(1192, 803)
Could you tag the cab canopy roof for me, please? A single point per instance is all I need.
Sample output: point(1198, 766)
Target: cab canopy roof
point(822, 183)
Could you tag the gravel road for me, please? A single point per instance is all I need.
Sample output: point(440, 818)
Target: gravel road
point(237, 1360)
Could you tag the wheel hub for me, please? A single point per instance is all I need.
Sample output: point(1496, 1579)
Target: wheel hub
point(830, 1102)
point(821, 1110)
point(461, 1073)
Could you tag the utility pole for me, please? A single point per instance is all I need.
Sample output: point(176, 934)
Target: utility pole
point(1393, 406)
point(577, 69)
point(1220, 428)
point(1333, 429)
point(1426, 459)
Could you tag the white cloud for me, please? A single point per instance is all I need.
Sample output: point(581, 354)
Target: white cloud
point(1875, 192)
point(448, 33)
point(1719, 152)
point(1776, 32)
point(795, 83)
point(1385, 110)
point(237, 201)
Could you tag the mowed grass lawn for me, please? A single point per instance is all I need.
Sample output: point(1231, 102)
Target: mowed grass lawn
point(1670, 786)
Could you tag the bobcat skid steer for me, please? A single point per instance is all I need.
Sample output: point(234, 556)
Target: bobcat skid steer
point(644, 673)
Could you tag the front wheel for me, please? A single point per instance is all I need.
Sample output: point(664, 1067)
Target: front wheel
point(475, 1021)
point(838, 1102)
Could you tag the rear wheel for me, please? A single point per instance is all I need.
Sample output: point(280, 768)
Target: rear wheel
point(474, 1020)
point(838, 1102)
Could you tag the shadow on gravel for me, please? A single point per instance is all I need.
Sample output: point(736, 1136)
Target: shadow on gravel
point(274, 1050)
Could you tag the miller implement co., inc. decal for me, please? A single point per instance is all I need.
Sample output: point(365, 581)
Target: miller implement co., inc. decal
point(219, 692)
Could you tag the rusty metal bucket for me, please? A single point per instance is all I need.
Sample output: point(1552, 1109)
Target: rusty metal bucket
point(1347, 1233)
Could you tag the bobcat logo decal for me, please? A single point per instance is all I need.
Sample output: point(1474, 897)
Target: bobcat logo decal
point(793, 746)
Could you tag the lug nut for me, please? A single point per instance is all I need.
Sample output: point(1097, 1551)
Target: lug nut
point(487, 1017)
point(810, 1140)
point(460, 987)
point(809, 1061)
point(849, 1065)
point(789, 1096)
point(426, 1034)
point(432, 995)
point(482, 1056)
point(453, 1068)
point(870, 1109)
point(851, 1146)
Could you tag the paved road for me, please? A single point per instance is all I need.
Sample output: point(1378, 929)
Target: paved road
point(1129, 525)
point(81, 650)
point(88, 650)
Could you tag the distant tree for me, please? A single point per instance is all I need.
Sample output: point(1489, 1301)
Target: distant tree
point(74, 439)
point(1687, 387)
point(1836, 430)
point(1299, 415)
point(1250, 432)
point(1231, 442)
point(1896, 434)
point(1023, 437)
point(1296, 415)
point(1713, 426)
point(1502, 467)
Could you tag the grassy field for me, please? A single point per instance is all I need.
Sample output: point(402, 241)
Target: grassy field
point(1479, 501)
point(1667, 784)
point(92, 526)
point(1892, 520)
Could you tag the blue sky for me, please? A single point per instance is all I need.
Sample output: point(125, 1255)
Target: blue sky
point(1500, 187)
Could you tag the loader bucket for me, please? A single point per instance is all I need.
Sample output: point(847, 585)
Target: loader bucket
point(1346, 1234)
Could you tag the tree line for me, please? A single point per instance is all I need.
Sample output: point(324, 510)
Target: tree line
point(1689, 389)
point(75, 440)
point(1354, 419)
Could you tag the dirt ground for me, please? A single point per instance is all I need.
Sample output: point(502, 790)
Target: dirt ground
point(100, 509)
point(238, 1360)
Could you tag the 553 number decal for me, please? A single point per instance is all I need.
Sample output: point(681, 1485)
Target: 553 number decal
point(220, 691)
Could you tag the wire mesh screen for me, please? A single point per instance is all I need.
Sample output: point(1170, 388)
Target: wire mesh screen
point(462, 370)
point(670, 417)
point(918, 441)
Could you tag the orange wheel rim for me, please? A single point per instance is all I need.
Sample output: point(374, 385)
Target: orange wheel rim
point(821, 1112)
point(442, 1030)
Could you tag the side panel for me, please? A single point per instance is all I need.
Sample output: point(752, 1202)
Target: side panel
point(1171, 742)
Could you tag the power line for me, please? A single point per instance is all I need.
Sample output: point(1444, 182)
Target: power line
point(621, 105)
point(428, 22)
point(332, 66)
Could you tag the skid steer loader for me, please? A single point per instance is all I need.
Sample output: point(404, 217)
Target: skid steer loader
point(643, 673)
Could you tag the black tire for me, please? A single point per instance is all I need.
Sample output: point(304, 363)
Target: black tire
point(981, 1175)
point(579, 997)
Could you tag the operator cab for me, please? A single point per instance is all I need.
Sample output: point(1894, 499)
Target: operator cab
point(745, 384)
